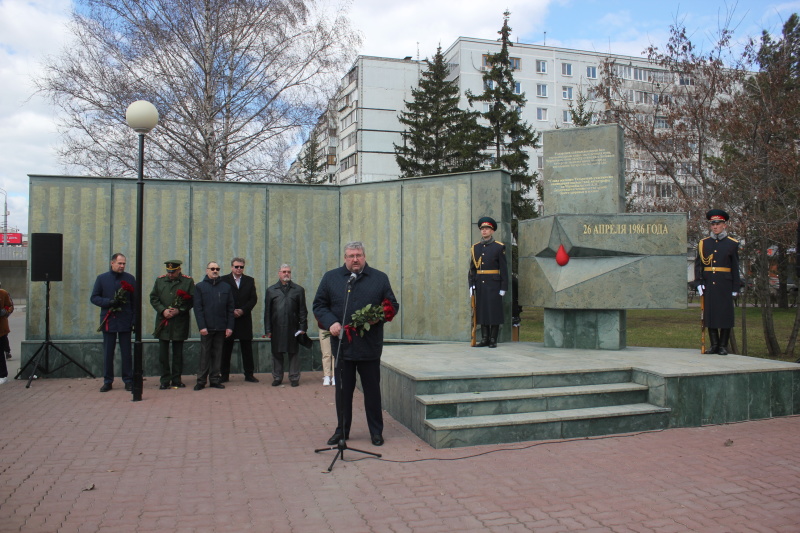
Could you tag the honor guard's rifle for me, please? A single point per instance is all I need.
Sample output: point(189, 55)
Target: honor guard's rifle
point(474, 319)
point(702, 323)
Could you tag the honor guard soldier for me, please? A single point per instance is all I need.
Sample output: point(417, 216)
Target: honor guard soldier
point(171, 297)
point(488, 280)
point(716, 274)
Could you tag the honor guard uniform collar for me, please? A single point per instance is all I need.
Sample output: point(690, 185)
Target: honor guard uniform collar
point(717, 215)
point(173, 265)
point(487, 221)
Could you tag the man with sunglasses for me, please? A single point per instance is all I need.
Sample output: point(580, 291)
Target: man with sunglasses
point(244, 299)
point(213, 310)
point(716, 277)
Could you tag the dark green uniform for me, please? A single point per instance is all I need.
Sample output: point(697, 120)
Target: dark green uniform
point(176, 329)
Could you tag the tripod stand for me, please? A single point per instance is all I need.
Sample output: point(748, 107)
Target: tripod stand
point(341, 446)
point(44, 349)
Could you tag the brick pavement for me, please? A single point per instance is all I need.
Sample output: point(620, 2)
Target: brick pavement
point(242, 459)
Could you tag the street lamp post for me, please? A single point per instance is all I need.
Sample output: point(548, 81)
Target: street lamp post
point(142, 117)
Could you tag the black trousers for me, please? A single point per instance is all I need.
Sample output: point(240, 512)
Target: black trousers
point(370, 374)
point(248, 364)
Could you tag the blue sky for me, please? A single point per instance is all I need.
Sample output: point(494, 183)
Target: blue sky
point(32, 29)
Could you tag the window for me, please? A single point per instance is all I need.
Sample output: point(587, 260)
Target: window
point(640, 74)
point(487, 64)
point(517, 87)
point(567, 117)
point(331, 159)
point(541, 66)
point(349, 141)
point(514, 63)
point(352, 76)
point(566, 69)
point(623, 71)
point(591, 73)
point(685, 79)
point(541, 90)
point(566, 93)
point(350, 118)
point(347, 162)
point(642, 97)
point(660, 123)
point(541, 113)
point(487, 107)
point(540, 162)
point(488, 84)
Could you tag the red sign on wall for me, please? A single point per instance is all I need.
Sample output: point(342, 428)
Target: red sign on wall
point(13, 238)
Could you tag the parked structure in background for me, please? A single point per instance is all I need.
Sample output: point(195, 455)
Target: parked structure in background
point(355, 135)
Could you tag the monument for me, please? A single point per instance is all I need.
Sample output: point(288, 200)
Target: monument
point(586, 261)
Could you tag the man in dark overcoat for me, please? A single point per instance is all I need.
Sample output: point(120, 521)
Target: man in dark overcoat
point(245, 299)
point(116, 319)
point(171, 297)
point(334, 309)
point(488, 280)
point(716, 278)
point(285, 319)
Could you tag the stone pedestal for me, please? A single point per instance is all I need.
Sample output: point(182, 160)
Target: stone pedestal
point(586, 329)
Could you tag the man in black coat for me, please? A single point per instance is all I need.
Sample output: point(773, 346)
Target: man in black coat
point(716, 277)
point(488, 280)
point(245, 299)
point(213, 310)
point(285, 319)
point(365, 285)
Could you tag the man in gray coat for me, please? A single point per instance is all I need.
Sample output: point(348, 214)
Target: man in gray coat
point(285, 319)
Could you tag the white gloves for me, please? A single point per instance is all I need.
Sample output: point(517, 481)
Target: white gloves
point(700, 289)
point(471, 291)
point(735, 294)
point(502, 293)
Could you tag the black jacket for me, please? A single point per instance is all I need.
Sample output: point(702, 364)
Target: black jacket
point(370, 287)
point(244, 298)
point(285, 313)
point(213, 305)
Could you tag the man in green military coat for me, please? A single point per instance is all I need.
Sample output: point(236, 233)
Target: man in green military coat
point(171, 297)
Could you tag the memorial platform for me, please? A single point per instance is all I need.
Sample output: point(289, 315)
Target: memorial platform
point(451, 395)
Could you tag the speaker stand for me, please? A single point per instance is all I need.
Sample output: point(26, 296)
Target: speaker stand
point(44, 350)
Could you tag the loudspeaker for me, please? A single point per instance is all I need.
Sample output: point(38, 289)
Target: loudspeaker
point(46, 251)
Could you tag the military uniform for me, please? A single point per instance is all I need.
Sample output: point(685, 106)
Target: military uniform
point(176, 329)
point(488, 276)
point(716, 270)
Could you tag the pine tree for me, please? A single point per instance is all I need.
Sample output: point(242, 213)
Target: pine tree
point(440, 137)
point(312, 170)
point(510, 135)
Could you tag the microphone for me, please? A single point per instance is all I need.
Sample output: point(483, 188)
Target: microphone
point(353, 276)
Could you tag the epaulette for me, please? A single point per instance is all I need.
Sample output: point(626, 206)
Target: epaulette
point(498, 242)
point(731, 238)
point(185, 276)
point(162, 276)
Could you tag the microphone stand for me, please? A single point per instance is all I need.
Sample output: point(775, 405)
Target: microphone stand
point(337, 372)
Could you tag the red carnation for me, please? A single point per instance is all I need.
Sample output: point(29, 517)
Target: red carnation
point(388, 310)
point(127, 286)
point(184, 295)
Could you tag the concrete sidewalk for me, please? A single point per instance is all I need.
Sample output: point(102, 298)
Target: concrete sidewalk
point(242, 459)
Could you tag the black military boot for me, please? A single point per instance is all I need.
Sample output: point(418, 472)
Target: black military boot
point(493, 331)
point(484, 337)
point(713, 335)
point(724, 337)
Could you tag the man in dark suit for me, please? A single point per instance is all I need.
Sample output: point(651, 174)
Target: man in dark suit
point(716, 277)
point(245, 299)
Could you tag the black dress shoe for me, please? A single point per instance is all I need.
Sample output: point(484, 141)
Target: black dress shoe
point(199, 386)
point(217, 386)
point(106, 387)
point(129, 387)
point(276, 382)
point(377, 440)
point(163, 386)
point(295, 383)
point(178, 385)
point(251, 379)
point(334, 440)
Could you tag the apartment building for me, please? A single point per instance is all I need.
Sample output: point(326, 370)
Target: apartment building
point(375, 90)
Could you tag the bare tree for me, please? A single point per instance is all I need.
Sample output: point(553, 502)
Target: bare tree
point(233, 80)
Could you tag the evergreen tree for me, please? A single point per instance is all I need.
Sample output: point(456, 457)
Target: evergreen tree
point(439, 138)
point(510, 135)
point(312, 169)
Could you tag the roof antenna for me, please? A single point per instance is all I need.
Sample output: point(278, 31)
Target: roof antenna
point(545, 39)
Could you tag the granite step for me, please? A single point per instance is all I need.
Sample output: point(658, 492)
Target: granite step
point(545, 425)
point(531, 400)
